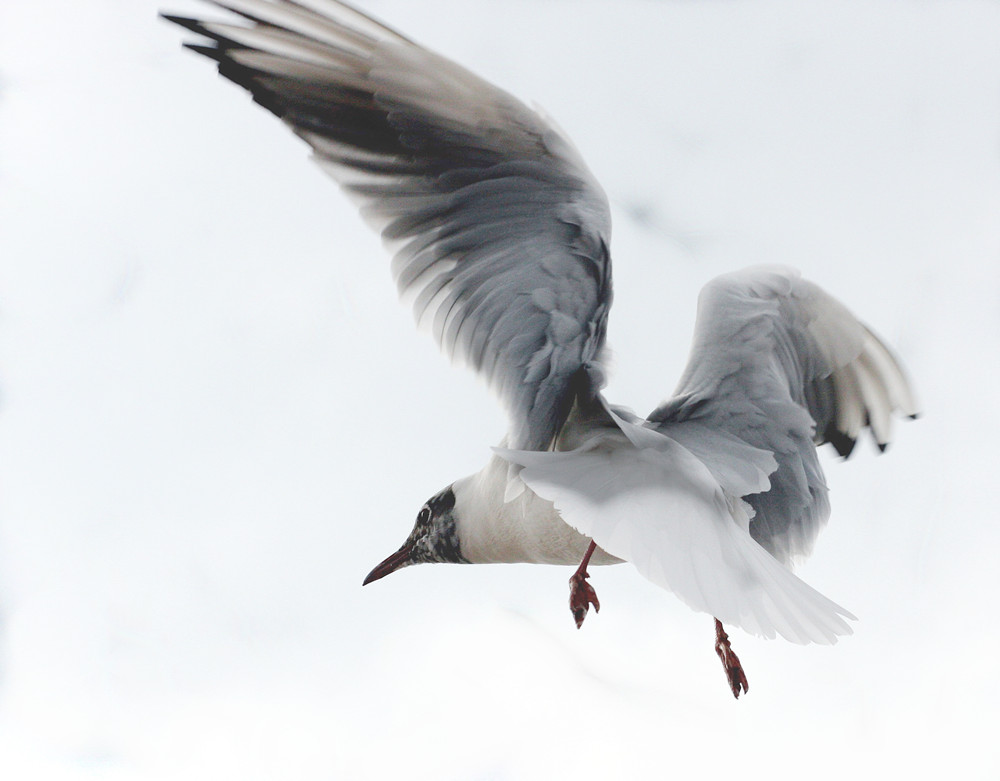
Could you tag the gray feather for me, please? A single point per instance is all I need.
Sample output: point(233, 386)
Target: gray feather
point(783, 367)
point(500, 232)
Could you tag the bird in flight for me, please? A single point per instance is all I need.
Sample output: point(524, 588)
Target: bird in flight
point(500, 237)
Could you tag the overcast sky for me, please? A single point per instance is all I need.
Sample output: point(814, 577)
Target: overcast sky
point(215, 417)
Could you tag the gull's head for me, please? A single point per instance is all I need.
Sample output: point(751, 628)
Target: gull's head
point(434, 538)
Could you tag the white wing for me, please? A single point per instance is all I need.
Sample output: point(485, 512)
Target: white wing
point(500, 230)
point(648, 500)
point(781, 365)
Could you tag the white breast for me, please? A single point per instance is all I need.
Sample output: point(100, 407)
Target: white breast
point(525, 529)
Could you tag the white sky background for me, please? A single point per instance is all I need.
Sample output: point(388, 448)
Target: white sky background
point(216, 418)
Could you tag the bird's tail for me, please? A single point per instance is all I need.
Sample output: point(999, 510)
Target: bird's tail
point(648, 500)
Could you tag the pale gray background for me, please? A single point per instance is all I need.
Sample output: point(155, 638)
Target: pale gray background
point(215, 417)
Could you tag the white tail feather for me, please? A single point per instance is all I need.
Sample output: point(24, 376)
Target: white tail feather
point(661, 509)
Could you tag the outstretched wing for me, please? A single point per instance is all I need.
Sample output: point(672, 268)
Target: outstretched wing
point(499, 230)
point(783, 366)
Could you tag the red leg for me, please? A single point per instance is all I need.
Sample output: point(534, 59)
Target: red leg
point(730, 661)
point(581, 593)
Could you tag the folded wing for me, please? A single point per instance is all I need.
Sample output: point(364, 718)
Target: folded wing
point(500, 232)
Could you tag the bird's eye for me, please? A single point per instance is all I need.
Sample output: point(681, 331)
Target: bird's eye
point(424, 515)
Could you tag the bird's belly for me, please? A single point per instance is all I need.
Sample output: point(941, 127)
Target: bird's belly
point(538, 536)
point(562, 544)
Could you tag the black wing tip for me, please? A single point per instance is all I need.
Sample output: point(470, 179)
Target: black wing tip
point(183, 21)
point(197, 26)
point(194, 25)
point(883, 446)
point(212, 52)
point(842, 443)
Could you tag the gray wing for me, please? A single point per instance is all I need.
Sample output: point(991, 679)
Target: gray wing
point(499, 230)
point(782, 366)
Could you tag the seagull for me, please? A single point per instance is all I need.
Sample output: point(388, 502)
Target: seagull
point(500, 238)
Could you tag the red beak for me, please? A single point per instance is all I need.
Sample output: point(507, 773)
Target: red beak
point(398, 559)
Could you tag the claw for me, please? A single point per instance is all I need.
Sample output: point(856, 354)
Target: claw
point(730, 662)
